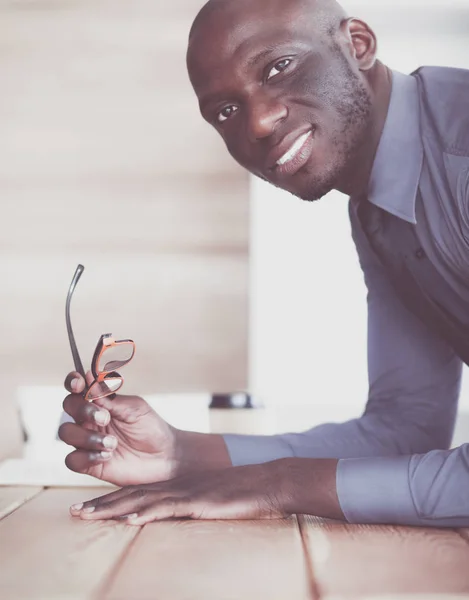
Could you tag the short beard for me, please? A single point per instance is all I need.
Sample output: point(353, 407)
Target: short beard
point(353, 105)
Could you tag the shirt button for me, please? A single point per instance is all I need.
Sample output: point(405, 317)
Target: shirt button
point(420, 253)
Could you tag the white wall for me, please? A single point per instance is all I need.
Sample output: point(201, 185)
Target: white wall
point(308, 311)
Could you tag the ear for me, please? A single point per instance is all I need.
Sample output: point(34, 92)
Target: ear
point(361, 42)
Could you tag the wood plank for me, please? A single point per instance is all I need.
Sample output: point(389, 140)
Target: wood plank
point(215, 559)
point(62, 557)
point(400, 597)
point(356, 560)
point(12, 498)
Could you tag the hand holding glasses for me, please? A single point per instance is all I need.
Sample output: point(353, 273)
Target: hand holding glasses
point(110, 354)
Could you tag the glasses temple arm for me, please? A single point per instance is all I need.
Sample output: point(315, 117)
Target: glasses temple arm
point(76, 357)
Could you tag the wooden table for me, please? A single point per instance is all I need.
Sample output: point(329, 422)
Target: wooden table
point(47, 555)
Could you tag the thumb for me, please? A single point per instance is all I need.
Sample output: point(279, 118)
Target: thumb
point(124, 408)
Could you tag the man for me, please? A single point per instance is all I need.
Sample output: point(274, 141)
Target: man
point(298, 95)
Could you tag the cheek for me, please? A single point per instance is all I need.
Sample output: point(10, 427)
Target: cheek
point(311, 83)
point(327, 145)
point(236, 145)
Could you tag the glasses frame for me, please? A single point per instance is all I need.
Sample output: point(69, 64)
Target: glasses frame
point(105, 342)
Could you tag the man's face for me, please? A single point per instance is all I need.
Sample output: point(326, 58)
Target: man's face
point(289, 105)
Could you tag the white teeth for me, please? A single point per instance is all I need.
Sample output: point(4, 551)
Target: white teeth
point(294, 149)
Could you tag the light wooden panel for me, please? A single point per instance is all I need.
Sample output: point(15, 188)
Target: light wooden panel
point(358, 560)
point(12, 498)
point(385, 596)
point(101, 87)
point(186, 313)
point(214, 560)
point(105, 160)
point(45, 553)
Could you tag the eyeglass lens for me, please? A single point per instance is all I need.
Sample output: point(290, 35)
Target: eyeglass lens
point(115, 357)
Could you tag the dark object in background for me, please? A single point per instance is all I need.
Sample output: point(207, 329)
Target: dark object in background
point(234, 400)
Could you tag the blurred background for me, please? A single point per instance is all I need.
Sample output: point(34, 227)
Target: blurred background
point(224, 282)
point(105, 161)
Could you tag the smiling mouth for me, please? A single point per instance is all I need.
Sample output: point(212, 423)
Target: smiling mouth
point(296, 156)
point(295, 149)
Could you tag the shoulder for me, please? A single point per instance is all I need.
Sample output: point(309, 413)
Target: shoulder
point(444, 103)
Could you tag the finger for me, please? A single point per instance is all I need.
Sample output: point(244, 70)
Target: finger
point(168, 508)
point(123, 408)
point(83, 411)
point(74, 383)
point(86, 439)
point(116, 495)
point(186, 507)
point(203, 508)
point(131, 503)
point(87, 463)
point(89, 378)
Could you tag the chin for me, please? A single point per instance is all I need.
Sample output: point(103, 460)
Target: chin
point(313, 182)
point(304, 187)
point(300, 192)
point(313, 192)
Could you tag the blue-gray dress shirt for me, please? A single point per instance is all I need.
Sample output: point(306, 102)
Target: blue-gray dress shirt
point(395, 466)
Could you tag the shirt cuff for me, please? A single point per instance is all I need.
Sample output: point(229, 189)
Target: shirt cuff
point(376, 490)
point(256, 449)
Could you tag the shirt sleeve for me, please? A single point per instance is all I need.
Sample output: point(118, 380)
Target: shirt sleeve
point(430, 490)
point(414, 385)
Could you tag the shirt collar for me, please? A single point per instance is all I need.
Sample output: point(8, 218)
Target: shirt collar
point(398, 162)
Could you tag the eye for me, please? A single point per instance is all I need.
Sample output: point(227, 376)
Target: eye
point(226, 113)
point(279, 66)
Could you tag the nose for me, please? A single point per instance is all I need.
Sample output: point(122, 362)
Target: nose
point(265, 115)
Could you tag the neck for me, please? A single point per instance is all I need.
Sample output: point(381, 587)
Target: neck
point(356, 179)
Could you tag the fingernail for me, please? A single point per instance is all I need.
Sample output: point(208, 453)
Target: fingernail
point(110, 442)
point(99, 455)
point(89, 509)
point(101, 417)
point(77, 507)
point(74, 384)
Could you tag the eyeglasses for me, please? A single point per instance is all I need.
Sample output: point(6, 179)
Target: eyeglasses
point(110, 354)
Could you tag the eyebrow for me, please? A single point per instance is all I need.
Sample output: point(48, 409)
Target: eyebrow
point(260, 56)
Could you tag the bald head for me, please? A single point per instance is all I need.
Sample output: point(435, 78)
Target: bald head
point(325, 15)
point(220, 22)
